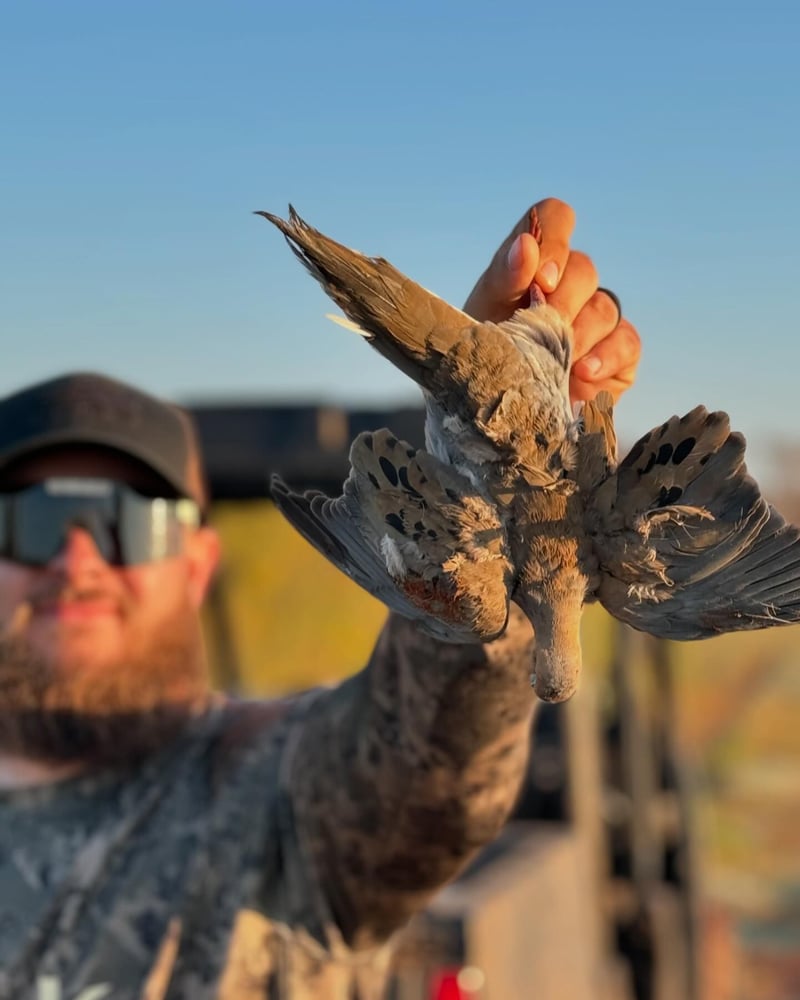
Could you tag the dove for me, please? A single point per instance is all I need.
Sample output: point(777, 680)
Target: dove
point(517, 497)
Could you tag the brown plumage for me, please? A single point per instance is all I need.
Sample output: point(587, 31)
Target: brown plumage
point(414, 533)
point(515, 496)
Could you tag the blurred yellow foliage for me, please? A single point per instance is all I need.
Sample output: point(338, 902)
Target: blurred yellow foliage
point(294, 620)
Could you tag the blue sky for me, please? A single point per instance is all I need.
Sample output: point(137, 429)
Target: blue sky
point(137, 138)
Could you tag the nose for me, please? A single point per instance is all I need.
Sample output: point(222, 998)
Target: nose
point(78, 555)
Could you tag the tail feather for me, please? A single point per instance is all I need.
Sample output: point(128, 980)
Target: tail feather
point(597, 444)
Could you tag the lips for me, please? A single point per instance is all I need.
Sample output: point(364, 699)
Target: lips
point(75, 607)
point(80, 610)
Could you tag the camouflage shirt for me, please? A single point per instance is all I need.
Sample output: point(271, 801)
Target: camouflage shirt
point(272, 850)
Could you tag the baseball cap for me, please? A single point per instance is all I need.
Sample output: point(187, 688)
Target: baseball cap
point(88, 408)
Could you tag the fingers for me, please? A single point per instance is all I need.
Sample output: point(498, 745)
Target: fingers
point(606, 347)
point(619, 384)
point(557, 220)
point(593, 321)
point(504, 285)
point(610, 363)
point(576, 288)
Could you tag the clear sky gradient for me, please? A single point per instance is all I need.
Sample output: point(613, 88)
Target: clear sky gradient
point(138, 137)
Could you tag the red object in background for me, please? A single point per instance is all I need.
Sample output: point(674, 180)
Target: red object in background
point(446, 987)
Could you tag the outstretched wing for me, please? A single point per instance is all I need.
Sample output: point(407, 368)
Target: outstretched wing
point(415, 534)
point(405, 322)
point(494, 389)
point(687, 546)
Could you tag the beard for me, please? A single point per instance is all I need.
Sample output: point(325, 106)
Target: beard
point(114, 716)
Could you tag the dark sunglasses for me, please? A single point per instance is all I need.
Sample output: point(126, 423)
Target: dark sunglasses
point(126, 527)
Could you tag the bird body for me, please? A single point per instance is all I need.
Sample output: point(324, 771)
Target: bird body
point(514, 495)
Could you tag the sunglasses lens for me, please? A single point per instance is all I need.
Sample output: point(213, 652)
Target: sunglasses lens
point(42, 516)
point(126, 527)
point(148, 529)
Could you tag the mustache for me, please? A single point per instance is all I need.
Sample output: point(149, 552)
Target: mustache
point(49, 593)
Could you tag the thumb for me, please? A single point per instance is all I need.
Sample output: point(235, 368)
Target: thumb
point(505, 284)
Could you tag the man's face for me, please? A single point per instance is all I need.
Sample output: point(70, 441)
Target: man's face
point(82, 635)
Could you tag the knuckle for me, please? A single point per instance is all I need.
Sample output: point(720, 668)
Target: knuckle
point(605, 310)
point(556, 210)
point(582, 266)
point(557, 249)
point(630, 341)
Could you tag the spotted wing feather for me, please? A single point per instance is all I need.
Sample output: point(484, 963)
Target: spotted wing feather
point(688, 547)
point(415, 534)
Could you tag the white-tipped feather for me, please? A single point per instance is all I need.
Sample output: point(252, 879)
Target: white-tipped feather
point(348, 325)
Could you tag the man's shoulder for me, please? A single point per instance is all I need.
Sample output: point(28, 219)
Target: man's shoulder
point(256, 725)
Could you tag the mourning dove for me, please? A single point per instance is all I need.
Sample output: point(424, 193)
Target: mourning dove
point(517, 496)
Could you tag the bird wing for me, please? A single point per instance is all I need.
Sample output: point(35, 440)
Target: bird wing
point(415, 534)
point(494, 387)
point(687, 546)
point(405, 322)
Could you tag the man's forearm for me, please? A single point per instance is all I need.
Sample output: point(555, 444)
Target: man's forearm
point(405, 770)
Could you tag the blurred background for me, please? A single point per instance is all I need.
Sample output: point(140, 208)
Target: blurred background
point(137, 138)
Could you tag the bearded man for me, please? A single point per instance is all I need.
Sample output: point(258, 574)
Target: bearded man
point(159, 840)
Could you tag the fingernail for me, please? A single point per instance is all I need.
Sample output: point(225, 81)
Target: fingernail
point(590, 365)
point(548, 274)
point(514, 256)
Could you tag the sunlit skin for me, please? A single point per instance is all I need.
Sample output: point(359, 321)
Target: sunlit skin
point(606, 348)
point(82, 614)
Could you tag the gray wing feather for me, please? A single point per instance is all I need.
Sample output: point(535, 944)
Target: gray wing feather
point(689, 548)
point(415, 534)
point(335, 527)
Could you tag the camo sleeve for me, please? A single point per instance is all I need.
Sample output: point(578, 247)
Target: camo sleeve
point(404, 771)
